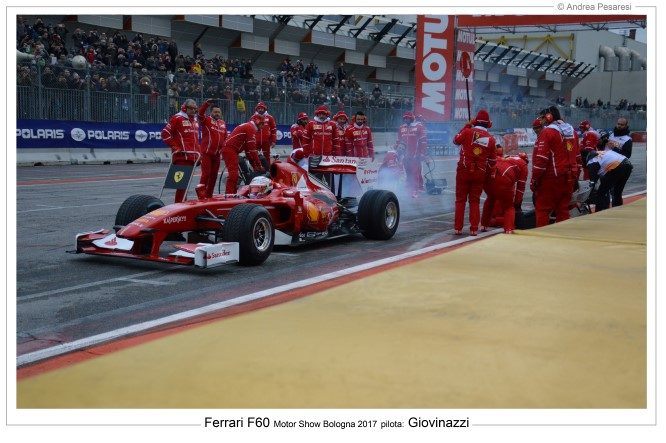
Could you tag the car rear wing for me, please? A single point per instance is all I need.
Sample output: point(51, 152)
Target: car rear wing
point(365, 170)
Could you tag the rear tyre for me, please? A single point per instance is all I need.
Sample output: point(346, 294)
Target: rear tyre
point(136, 206)
point(251, 227)
point(378, 214)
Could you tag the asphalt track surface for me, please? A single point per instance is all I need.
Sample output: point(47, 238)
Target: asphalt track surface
point(62, 298)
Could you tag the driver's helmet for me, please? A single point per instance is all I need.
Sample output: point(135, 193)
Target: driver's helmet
point(260, 186)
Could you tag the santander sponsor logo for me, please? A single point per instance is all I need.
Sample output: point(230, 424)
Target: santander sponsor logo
point(435, 66)
point(223, 253)
point(111, 242)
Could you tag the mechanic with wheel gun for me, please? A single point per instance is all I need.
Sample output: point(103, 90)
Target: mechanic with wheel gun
point(507, 191)
point(477, 161)
point(182, 134)
point(242, 138)
point(213, 136)
point(411, 135)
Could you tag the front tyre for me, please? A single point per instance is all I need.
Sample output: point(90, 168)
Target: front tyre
point(251, 227)
point(378, 214)
point(136, 206)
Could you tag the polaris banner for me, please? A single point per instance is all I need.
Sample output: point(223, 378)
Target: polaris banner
point(92, 135)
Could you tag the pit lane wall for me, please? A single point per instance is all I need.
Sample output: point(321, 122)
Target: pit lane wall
point(44, 142)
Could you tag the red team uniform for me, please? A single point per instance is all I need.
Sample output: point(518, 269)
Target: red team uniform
point(213, 136)
point(477, 160)
point(266, 137)
point(412, 136)
point(555, 169)
point(505, 192)
point(242, 138)
point(182, 134)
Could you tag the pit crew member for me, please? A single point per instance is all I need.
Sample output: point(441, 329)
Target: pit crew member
point(213, 136)
point(182, 134)
point(267, 136)
point(358, 138)
point(412, 142)
point(242, 138)
point(507, 189)
point(477, 161)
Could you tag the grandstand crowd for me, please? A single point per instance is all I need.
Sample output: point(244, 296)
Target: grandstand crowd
point(152, 65)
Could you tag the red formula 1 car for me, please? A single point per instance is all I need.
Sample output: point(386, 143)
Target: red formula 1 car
point(242, 227)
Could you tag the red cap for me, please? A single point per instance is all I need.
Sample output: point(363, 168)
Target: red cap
point(536, 123)
point(482, 117)
point(302, 115)
point(322, 109)
point(341, 114)
point(584, 125)
point(260, 105)
point(408, 114)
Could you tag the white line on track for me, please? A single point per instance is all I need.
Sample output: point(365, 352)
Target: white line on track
point(30, 297)
point(147, 282)
point(87, 342)
point(61, 183)
point(54, 208)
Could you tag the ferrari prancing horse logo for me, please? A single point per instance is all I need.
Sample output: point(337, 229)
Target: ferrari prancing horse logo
point(178, 176)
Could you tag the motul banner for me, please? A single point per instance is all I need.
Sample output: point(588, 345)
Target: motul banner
point(435, 63)
point(464, 43)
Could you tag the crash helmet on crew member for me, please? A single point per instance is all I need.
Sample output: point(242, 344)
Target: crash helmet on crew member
point(584, 125)
point(499, 150)
point(260, 186)
point(408, 117)
point(523, 156)
point(302, 116)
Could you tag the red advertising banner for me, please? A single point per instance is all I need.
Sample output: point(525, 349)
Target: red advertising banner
point(435, 63)
point(478, 21)
point(464, 44)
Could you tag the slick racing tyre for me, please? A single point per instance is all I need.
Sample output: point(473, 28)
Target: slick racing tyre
point(136, 206)
point(251, 227)
point(378, 214)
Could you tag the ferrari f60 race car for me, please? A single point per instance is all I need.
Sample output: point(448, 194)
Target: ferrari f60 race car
point(243, 228)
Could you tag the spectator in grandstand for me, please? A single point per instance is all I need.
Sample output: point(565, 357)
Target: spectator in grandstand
point(267, 135)
point(242, 138)
point(342, 73)
point(555, 168)
point(358, 138)
point(412, 143)
point(182, 134)
point(477, 160)
point(213, 136)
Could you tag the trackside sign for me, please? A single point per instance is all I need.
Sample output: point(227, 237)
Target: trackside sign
point(435, 63)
